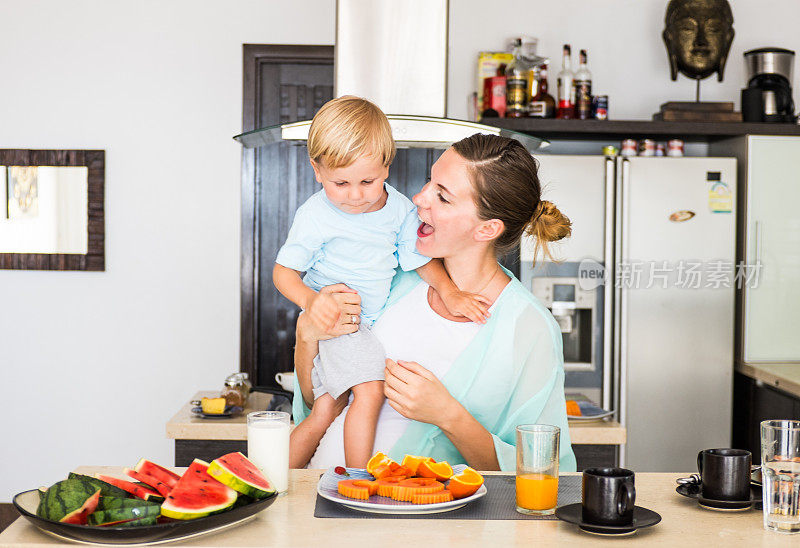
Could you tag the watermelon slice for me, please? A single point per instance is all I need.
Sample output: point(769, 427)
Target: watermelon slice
point(238, 472)
point(113, 503)
point(106, 489)
point(150, 520)
point(136, 490)
point(69, 501)
point(81, 515)
point(197, 495)
point(164, 475)
point(104, 517)
point(159, 486)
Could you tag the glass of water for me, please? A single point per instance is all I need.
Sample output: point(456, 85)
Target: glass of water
point(780, 470)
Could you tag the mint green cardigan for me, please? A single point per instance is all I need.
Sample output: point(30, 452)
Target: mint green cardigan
point(511, 373)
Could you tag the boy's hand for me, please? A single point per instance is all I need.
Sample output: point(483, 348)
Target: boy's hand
point(470, 305)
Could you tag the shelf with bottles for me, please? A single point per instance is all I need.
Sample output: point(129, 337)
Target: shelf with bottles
point(593, 129)
point(515, 85)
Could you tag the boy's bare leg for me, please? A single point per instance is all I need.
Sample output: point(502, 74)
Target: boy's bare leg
point(360, 423)
point(306, 436)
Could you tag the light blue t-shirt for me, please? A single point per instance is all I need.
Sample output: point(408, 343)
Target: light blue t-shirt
point(361, 250)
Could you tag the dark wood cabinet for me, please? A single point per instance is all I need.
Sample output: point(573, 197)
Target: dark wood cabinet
point(754, 402)
point(596, 456)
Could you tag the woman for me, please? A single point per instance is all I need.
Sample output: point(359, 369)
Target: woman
point(456, 390)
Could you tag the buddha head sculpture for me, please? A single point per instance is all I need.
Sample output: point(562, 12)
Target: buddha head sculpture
point(698, 36)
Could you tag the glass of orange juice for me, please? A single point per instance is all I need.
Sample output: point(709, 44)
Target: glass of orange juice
point(537, 468)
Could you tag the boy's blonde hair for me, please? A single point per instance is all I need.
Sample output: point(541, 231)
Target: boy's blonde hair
point(348, 128)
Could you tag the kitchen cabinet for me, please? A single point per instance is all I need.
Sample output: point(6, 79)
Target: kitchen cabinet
point(769, 246)
point(753, 402)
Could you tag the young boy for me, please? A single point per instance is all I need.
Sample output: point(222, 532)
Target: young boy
point(355, 231)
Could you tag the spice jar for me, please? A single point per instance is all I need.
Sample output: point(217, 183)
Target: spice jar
point(237, 389)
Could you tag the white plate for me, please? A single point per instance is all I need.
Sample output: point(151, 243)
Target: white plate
point(327, 488)
point(591, 412)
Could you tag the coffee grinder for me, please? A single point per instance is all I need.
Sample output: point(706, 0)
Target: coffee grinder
point(768, 95)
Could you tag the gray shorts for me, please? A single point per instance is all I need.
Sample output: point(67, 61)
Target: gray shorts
point(346, 361)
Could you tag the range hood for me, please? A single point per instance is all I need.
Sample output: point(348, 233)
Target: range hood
point(394, 53)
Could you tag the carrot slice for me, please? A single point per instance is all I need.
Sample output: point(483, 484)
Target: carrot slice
point(357, 489)
point(432, 498)
point(416, 486)
point(386, 485)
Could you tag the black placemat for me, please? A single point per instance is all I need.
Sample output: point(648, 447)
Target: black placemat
point(499, 503)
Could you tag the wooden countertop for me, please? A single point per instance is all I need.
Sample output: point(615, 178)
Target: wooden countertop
point(785, 376)
point(290, 522)
point(186, 426)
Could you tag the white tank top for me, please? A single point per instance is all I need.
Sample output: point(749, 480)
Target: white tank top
point(410, 331)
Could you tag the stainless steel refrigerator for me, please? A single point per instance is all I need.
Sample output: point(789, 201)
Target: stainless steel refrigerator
point(652, 257)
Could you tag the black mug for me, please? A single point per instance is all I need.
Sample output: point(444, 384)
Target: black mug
point(608, 496)
point(725, 474)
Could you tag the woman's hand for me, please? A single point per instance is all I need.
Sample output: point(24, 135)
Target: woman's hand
point(417, 394)
point(347, 306)
point(308, 334)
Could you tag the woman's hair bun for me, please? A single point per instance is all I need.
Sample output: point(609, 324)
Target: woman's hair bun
point(548, 224)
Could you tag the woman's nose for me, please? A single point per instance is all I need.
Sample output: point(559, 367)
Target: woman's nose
point(420, 199)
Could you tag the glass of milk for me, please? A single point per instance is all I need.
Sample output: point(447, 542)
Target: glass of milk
point(268, 446)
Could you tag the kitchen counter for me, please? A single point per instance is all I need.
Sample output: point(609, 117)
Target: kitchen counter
point(784, 377)
point(185, 426)
point(290, 522)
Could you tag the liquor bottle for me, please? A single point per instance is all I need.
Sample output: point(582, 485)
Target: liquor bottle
point(566, 90)
point(533, 86)
point(583, 90)
point(517, 83)
point(543, 105)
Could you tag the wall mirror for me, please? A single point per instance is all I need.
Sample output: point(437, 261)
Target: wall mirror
point(52, 209)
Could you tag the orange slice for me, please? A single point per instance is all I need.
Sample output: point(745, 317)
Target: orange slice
point(389, 469)
point(400, 471)
point(386, 485)
point(438, 470)
point(376, 460)
point(412, 462)
point(416, 486)
point(432, 498)
point(357, 489)
point(573, 409)
point(465, 483)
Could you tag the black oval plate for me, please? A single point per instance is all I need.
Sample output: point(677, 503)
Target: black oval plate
point(228, 413)
point(27, 502)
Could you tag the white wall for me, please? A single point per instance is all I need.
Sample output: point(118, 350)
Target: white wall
point(627, 57)
point(92, 365)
